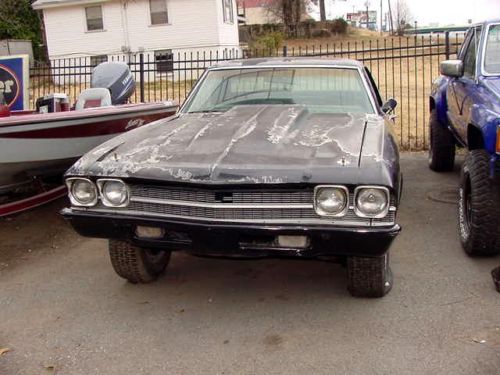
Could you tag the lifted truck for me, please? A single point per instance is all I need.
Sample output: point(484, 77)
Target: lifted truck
point(465, 112)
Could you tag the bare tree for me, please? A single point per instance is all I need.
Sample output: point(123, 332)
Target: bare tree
point(403, 16)
point(289, 12)
point(322, 10)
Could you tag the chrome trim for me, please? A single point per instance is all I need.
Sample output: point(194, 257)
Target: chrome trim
point(346, 206)
point(69, 183)
point(100, 184)
point(216, 205)
point(483, 53)
point(319, 221)
point(382, 214)
point(194, 91)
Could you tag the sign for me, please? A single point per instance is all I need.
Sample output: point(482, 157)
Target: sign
point(14, 81)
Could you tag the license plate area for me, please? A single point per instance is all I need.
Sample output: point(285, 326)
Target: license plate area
point(280, 242)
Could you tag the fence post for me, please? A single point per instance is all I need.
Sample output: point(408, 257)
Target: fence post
point(141, 76)
point(447, 44)
point(285, 51)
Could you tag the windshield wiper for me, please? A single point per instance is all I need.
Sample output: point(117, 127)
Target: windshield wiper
point(207, 111)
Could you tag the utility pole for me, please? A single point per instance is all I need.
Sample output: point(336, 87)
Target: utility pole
point(367, 4)
point(381, 19)
point(322, 10)
point(390, 17)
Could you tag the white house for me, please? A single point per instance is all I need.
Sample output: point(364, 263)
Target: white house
point(161, 29)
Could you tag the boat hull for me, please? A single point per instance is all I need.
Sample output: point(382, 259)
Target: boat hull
point(47, 144)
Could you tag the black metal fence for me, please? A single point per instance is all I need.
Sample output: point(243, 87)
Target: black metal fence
point(403, 68)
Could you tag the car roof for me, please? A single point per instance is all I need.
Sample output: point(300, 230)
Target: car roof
point(287, 62)
point(487, 22)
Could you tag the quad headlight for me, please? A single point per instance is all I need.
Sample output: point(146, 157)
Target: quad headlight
point(330, 200)
point(114, 193)
point(85, 193)
point(82, 192)
point(371, 201)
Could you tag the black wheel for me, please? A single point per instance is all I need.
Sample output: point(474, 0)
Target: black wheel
point(135, 264)
point(478, 207)
point(441, 146)
point(369, 277)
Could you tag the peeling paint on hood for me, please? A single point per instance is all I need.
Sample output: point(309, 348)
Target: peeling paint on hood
point(247, 144)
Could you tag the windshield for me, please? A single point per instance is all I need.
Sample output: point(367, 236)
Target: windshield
point(492, 53)
point(321, 90)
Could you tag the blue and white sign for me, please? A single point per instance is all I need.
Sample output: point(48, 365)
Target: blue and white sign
point(14, 81)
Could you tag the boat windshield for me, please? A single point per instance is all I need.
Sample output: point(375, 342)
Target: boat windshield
point(321, 90)
point(492, 53)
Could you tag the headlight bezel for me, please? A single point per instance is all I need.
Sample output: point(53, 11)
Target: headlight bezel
point(318, 209)
point(380, 215)
point(105, 201)
point(70, 183)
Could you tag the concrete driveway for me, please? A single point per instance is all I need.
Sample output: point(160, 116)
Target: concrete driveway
point(64, 311)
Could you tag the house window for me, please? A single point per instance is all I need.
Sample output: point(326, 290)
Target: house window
point(159, 12)
point(96, 60)
point(227, 11)
point(94, 18)
point(164, 60)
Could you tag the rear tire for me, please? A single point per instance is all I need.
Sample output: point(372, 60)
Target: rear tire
point(479, 207)
point(441, 146)
point(136, 264)
point(369, 276)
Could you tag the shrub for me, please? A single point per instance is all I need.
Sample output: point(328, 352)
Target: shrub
point(321, 33)
point(338, 26)
point(269, 41)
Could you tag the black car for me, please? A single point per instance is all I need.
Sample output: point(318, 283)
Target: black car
point(266, 158)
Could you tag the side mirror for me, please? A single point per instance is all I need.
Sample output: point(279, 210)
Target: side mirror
point(389, 106)
point(452, 68)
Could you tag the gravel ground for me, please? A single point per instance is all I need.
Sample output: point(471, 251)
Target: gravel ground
point(64, 311)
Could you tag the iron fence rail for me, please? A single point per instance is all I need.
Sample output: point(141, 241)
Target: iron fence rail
point(402, 67)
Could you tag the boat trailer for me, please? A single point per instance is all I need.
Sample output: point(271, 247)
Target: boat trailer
point(42, 194)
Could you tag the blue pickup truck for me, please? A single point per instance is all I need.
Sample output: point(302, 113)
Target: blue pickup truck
point(465, 112)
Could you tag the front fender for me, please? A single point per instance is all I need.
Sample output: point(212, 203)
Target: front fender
point(487, 122)
point(438, 96)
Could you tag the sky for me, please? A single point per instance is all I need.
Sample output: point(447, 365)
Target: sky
point(425, 12)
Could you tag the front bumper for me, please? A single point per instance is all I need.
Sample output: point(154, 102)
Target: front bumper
point(234, 239)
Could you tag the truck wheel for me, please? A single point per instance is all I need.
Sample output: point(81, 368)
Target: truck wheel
point(441, 146)
point(135, 264)
point(369, 277)
point(478, 207)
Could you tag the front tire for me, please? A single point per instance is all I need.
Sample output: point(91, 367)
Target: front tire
point(441, 146)
point(135, 264)
point(479, 207)
point(369, 276)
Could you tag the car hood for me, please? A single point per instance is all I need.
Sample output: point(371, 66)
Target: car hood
point(247, 144)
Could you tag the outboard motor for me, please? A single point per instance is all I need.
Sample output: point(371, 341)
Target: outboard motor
point(117, 78)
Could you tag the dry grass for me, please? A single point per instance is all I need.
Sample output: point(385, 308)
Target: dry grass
point(354, 35)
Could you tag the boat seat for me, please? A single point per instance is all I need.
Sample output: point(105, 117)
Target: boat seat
point(92, 98)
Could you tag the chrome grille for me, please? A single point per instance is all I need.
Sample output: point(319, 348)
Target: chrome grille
point(244, 205)
point(224, 213)
point(209, 196)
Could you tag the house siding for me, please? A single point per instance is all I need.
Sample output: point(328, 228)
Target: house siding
point(194, 26)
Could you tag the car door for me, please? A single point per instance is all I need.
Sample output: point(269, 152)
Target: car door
point(465, 87)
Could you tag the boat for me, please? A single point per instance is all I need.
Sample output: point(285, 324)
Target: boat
point(38, 146)
point(34, 144)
